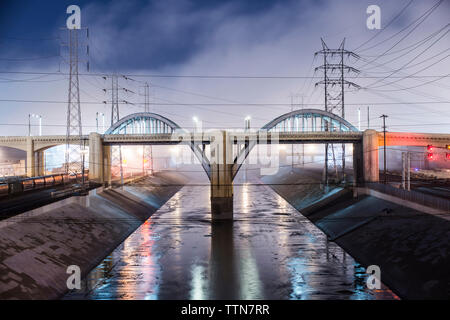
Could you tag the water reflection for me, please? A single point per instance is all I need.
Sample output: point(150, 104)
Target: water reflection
point(270, 251)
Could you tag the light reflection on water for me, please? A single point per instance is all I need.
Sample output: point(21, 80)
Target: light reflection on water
point(270, 251)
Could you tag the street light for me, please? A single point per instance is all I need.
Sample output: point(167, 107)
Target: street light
point(196, 123)
point(83, 152)
point(32, 115)
point(247, 123)
point(103, 121)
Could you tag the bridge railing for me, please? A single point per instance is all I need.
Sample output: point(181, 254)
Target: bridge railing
point(413, 196)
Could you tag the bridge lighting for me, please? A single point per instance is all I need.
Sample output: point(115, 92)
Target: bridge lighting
point(447, 147)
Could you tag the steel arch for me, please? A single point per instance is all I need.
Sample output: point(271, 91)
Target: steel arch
point(289, 121)
point(303, 114)
point(153, 123)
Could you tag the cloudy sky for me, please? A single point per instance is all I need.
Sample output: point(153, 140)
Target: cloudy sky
point(201, 56)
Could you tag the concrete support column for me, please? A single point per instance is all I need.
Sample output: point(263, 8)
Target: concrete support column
point(358, 166)
point(221, 177)
point(370, 156)
point(96, 161)
point(30, 158)
point(107, 165)
point(40, 163)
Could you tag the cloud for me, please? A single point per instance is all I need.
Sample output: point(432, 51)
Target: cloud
point(229, 38)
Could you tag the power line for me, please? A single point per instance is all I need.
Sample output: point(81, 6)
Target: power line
point(200, 76)
point(418, 55)
point(387, 25)
point(231, 104)
point(416, 86)
point(425, 15)
point(29, 58)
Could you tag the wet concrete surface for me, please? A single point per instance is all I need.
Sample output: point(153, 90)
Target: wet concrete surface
point(269, 251)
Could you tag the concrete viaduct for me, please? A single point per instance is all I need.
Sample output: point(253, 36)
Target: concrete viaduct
point(222, 164)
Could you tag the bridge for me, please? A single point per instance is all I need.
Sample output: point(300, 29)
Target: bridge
point(227, 149)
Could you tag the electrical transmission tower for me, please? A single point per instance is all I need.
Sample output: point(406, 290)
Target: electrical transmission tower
point(74, 151)
point(147, 152)
point(116, 152)
point(333, 68)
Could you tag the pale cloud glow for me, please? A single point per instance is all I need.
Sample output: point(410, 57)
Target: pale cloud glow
point(175, 38)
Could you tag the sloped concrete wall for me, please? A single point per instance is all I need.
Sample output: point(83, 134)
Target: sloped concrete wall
point(411, 247)
point(35, 250)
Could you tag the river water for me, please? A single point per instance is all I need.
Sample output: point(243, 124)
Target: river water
point(269, 251)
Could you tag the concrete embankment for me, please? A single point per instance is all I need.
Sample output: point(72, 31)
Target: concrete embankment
point(37, 247)
point(411, 247)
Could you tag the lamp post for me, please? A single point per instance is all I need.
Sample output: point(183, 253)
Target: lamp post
point(32, 115)
point(196, 121)
point(384, 143)
point(247, 123)
point(84, 151)
point(103, 121)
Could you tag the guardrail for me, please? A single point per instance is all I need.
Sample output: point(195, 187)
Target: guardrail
point(413, 196)
point(21, 185)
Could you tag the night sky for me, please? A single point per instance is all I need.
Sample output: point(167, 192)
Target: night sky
point(231, 38)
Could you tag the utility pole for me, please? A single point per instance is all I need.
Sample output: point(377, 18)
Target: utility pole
point(384, 143)
point(359, 119)
point(368, 118)
point(406, 170)
point(333, 97)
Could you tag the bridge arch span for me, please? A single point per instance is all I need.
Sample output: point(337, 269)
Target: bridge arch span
point(309, 120)
point(143, 122)
point(153, 123)
point(302, 120)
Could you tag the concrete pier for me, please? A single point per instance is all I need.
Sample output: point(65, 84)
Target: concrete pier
point(370, 156)
point(221, 177)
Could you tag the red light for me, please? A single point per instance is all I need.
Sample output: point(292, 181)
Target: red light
point(430, 156)
point(430, 147)
point(447, 156)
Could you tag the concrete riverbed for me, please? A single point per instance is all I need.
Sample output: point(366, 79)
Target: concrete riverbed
point(269, 251)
